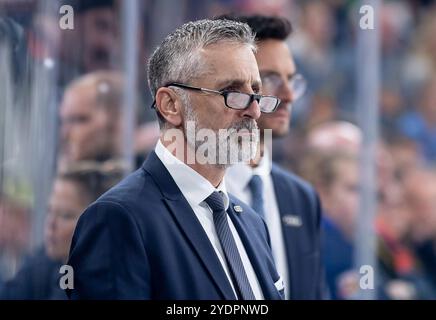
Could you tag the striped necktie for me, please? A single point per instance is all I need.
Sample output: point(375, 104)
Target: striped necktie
point(237, 271)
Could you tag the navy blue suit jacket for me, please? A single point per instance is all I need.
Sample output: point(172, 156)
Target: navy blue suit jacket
point(300, 211)
point(142, 240)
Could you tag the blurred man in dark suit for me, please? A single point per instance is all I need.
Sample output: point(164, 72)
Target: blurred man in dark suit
point(288, 204)
point(75, 187)
point(170, 230)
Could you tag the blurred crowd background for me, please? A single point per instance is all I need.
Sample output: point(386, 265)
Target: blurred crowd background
point(75, 118)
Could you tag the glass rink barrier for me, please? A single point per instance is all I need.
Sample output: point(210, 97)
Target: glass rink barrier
point(77, 117)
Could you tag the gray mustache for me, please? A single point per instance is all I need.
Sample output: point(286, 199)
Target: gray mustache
point(248, 124)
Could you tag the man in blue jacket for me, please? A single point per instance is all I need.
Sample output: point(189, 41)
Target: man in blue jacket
point(170, 230)
point(288, 204)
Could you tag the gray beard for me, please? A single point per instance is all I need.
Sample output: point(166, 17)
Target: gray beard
point(227, 145)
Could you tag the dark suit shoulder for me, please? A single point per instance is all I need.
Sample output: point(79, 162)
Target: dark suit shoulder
point(302, 189)
point(131, 188)
point(297, 195)
point(296, 181)
point(136, 193)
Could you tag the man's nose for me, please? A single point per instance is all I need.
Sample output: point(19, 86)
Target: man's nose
point(65, 131)
point(51, 223)
point(286, 94)
point(253, 111)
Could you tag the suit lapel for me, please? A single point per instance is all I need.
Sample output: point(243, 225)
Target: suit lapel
point(185, 218)
point(250, 243)
point(289, 233)
point(194, 232)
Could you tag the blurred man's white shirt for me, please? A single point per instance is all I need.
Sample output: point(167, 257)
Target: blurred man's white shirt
point(237, 178)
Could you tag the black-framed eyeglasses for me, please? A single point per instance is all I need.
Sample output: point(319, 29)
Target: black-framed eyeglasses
point(235, 99)
point(272, 83)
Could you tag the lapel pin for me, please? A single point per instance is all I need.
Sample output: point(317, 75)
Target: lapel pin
point(292, 220)
point(238, 209)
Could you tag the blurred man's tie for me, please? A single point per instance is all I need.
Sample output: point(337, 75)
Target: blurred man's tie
point(256, 188)
point(239, 277)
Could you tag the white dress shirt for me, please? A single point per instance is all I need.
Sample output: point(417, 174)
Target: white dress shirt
point(195, 188)
point(237, 178)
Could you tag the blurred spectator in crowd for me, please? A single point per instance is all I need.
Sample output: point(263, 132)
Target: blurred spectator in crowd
point(100, 34)
point(12, 37)
point(395, 26)
point(332, 135)
point(391, 109)
point(91, 117)
point(74, 189)
point(326, 66)
point(332, 165)
point(420, 63)
point(93, 44)
point(323, 109)
point(312, 45)
point(398, 268)
point(324, 139)
point(92, 120)
point(14, 235)
point(272, 8)
point(420, 124)
point(399, 276)
point(420, 186)
point(335, 175)
point(336, 179)
point(405, 153)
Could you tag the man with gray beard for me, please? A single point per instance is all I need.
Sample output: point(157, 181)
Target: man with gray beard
point(170, 230)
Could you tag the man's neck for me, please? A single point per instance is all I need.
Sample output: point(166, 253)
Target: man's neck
point(212, 173)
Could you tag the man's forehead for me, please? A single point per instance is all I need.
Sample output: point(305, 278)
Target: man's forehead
point(274, 55)
point(79, 99)
point(221, 55)
point(230, 64)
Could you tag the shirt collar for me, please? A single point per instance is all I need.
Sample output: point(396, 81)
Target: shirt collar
point(194, 187)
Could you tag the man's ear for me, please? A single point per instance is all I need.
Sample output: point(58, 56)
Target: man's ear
point(169, 106)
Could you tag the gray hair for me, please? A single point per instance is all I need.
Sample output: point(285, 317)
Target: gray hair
point(177, 59)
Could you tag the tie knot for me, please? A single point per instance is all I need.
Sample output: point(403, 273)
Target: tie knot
point(256, 183)
point(215, 202)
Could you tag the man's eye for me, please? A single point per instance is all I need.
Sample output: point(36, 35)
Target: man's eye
point(78, 119)
point(67, 216)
